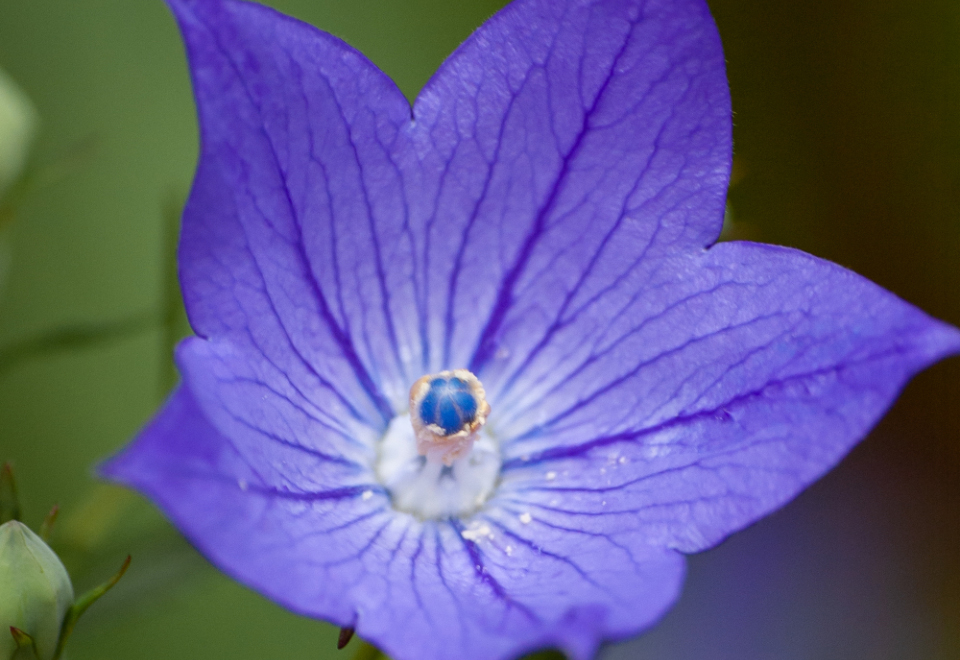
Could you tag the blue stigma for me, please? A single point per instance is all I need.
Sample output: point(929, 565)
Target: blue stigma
point(449, 404)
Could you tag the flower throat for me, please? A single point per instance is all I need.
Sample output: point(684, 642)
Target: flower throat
point(437, 461)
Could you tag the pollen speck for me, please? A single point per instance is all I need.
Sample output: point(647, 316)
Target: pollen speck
point(477, 532)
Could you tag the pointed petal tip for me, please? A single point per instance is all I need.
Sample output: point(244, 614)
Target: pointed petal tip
point(111, 468)
point(122, 467)
point(937, 341)
point(949, 339)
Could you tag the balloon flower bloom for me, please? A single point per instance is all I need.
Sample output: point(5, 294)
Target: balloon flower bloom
point(473, 376)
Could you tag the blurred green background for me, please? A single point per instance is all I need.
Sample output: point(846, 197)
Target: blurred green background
point(847, 132)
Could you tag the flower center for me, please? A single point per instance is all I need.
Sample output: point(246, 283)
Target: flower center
point(436, 460)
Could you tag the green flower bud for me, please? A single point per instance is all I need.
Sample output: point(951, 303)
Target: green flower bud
point(35, 590)
point(18, 123)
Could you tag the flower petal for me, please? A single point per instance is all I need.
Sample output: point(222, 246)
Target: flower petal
point(358, 247)
point(296, 206)
point(732, 379)
point(303, 548)
point(499, 594)
point(295, 444)
point(558, 147)
point(420, 590)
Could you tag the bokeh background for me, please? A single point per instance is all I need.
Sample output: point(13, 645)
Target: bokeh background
point(847, 131)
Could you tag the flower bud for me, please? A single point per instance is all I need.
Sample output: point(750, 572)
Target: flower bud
point(35, 590)
point(17, 126)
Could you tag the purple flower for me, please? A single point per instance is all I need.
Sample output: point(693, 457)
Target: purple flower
point(537, 235)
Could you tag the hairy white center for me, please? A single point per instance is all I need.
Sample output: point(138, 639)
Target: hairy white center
point(430, 489)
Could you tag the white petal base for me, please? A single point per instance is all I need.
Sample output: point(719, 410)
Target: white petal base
point(431, 490)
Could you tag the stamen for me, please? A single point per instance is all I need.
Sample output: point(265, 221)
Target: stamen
point(446, 410)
